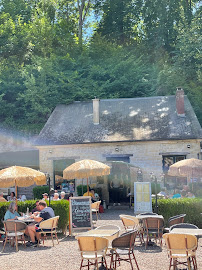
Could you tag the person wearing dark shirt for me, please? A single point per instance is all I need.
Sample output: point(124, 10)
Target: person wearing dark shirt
point(36, 209)
point(45, 213)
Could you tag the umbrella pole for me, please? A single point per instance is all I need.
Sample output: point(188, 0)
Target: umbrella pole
point(87, 186)
point(16, 194)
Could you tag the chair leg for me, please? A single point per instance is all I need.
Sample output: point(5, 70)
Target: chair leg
point(56, 235)
point(170, 263)
point(135, 260)
point(16, 243)
point(96, 263)
point(81, 264)
point(105, 262)
point(189, 263)
point(52, 239)
point(130, 261)
point(4, 243)
point(88, 265)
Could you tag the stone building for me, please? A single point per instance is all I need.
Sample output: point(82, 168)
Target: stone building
point(150, 133)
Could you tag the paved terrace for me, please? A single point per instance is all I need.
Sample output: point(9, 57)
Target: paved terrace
point(67, 256)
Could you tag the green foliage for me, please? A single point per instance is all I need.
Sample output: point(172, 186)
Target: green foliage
point(190, 207)
point(61, 208)
point(39, 190)
point(79, 189)
point(196, 189)
point(138, 48)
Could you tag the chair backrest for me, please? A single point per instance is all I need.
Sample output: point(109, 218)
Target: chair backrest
point(183, 226)
point(136, 220)
point(180, 243)
point(49, 223)
point(92, 243)
point(95, 205)
point(176, 219)
point(154, 223)
point(12, 226)
point(148, 214)
point(128, 222)
point(126, 240)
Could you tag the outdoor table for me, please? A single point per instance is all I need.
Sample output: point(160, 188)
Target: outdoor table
point(27, 220)
point(140, 217)
point(109, 234)
point(196, 232)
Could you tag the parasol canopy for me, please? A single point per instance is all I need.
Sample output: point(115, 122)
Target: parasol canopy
point(188, 167)
point(21, 177)
point(86, 168)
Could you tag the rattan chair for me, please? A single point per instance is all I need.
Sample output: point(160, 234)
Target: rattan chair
point(131, 223)
point(93, 249)
point(174, 220)
point(153, 228)
point(14, 230)
point(183, 226)
point(123, 246)
point(181, 247)
point(95, 208)
point(48, 226)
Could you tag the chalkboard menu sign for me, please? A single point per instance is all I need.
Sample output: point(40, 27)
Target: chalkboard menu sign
point(80, 213)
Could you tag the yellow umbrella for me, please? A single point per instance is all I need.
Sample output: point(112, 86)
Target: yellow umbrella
point(86, 168)
point(20, 177)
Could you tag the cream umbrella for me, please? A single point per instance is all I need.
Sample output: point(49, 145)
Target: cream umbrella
point(85, 169)
point(20, 177)
point(187, 167)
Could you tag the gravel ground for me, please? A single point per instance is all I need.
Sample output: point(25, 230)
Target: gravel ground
point(66, 255)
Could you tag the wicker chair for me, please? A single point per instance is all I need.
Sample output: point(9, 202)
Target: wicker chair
point(174, 220)
point(153, 228)
point(183, 247)
point(95, 208)
point(93, 249)
point(131, 223)
point(122, 246)
point(184, 226)
point(48, 226)
point(14, 230)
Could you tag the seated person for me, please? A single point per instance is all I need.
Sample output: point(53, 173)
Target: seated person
point(190, 195)
point(45, 196)
point(69, 195)
point(11, 197)
point(89, 193)
point(62, 195)
point(32, 231)
point(2, 199)
point(22, 198)
point(176, 194)
point(11, 213)
point(36, 209)
point(56, 197)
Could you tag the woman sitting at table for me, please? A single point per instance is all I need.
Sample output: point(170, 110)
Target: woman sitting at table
point(11, 213)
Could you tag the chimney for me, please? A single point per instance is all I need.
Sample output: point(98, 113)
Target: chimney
point(96, 112)
point(180, 102)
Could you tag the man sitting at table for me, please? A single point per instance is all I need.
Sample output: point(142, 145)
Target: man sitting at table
point(36, 209)
point(46, 213)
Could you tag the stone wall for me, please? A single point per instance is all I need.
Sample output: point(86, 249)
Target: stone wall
point(146, 154)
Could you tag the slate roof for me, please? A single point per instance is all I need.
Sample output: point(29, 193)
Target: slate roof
point(127, 119)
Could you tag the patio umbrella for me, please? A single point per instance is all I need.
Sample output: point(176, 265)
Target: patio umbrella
point(86, 168)
point(187, 167)
point(20, 177)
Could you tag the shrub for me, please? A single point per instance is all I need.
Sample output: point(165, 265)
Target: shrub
point(171, 207)
point(39, 190)
point(153, 188)
point(79, 189)
point(61, 208)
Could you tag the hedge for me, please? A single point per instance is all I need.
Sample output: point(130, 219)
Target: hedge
point(61, 208)
point(39, 190)
point(171, 207)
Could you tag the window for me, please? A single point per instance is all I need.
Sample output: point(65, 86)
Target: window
point(169, 160)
